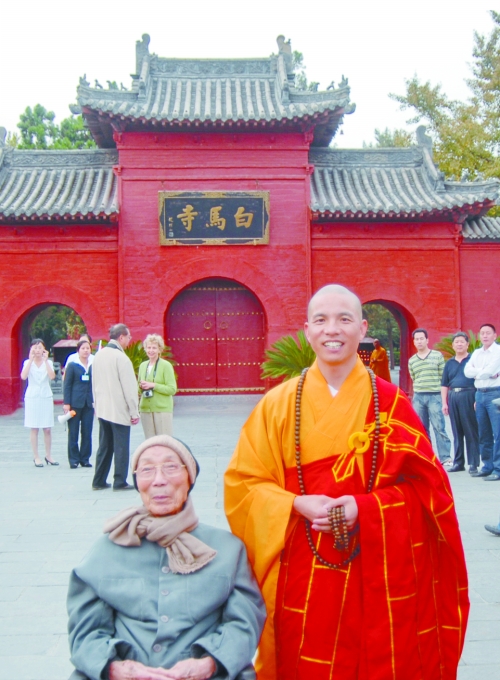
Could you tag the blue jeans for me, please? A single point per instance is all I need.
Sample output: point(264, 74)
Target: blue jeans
point(428, 406)
point(488, 421)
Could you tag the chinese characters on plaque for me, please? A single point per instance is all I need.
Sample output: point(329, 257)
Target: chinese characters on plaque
point(213, 218)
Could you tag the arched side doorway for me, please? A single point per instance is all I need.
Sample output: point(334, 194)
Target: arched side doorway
point(216, 329)
point(52, 329)
point(15, 317)
point(406, 324)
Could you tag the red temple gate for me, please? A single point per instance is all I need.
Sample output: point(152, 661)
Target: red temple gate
point(216, 331)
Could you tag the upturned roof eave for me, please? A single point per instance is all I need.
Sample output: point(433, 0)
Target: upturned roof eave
point(335, 109)
point(452, 213)
point(108, 217)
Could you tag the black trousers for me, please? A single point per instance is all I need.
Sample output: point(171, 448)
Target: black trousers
point(113, 438)
point(464, 426)
point(84, 420)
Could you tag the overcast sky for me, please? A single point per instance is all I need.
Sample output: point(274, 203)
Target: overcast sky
point(46, 46)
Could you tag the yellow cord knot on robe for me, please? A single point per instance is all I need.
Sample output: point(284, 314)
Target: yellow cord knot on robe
point(359, 442)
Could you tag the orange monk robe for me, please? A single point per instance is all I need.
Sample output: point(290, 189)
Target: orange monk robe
point(379, 363)
point(399, 610)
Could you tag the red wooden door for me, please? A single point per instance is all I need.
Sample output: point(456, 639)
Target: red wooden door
point(216, 331)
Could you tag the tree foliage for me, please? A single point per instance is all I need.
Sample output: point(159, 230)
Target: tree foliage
point(37, 130)
point(301, 81)
point(466, 133)
point(287, 357)
point(382, 325)
point(57, 322)
point(390, 138)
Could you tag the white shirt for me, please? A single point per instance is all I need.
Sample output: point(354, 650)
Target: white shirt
point(74, 358)
point(483, 364)
point(333, 391)
point(38, 380)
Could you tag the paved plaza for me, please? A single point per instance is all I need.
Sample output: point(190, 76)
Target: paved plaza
point(50, 518)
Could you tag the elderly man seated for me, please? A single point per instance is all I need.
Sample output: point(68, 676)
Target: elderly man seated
point(162, 597)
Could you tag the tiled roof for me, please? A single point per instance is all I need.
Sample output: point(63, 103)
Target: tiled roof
point(69, 184)
point(221, 92)
point(387, 183)
point(482, 229)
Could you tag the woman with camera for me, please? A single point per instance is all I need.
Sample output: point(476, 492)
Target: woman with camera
point(158, 385)
point(38, 370)
point(78, 398)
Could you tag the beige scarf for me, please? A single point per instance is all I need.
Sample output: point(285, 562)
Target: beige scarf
point(185, 552)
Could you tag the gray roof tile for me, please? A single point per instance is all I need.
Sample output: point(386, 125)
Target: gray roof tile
point(68, 184)
point(360, 183)
point(482, 229)
point(176, 96)
point(220, 91)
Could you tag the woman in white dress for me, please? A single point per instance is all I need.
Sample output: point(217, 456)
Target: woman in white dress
point(38, 370)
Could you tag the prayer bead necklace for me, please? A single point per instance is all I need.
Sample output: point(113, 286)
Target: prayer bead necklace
point(336, 516)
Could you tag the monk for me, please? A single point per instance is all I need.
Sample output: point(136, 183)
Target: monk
point(348, 520)
point(379, 361)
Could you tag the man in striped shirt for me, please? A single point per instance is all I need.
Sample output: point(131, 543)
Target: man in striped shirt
point(426, 368)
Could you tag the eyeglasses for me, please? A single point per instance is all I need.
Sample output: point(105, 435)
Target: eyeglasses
point(168, 469)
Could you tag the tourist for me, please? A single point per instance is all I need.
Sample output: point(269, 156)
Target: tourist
point(484, 367)
point(77, 397)
point(158, 385)
point(116, 406)
point(74, 356)
point(38, 370)
point(350, 529)
point(458, 395)
point(162, 596)
point(426, 369)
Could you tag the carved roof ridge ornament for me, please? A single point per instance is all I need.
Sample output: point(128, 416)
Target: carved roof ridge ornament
point(57, 158)
point(191, 92)
point(390, 156)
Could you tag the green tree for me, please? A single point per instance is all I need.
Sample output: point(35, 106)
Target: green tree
point(56, 322)
point(382, 325)
point(301, 82)
point(73, 134)
point(39, 131)
point(390, 138)
point(37, 128)
point(12, 139)
point(466, 134)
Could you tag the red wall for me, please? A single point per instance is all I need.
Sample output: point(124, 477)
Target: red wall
point(74, 265)
point(414, 268)
point(480, 289)
point(278, 273)
point(110, 273)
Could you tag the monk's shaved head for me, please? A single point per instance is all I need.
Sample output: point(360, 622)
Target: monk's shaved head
point(335, 289)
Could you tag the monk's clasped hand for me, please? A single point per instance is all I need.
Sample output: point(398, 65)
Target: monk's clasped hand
point(315, 509)
point(350, 506)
